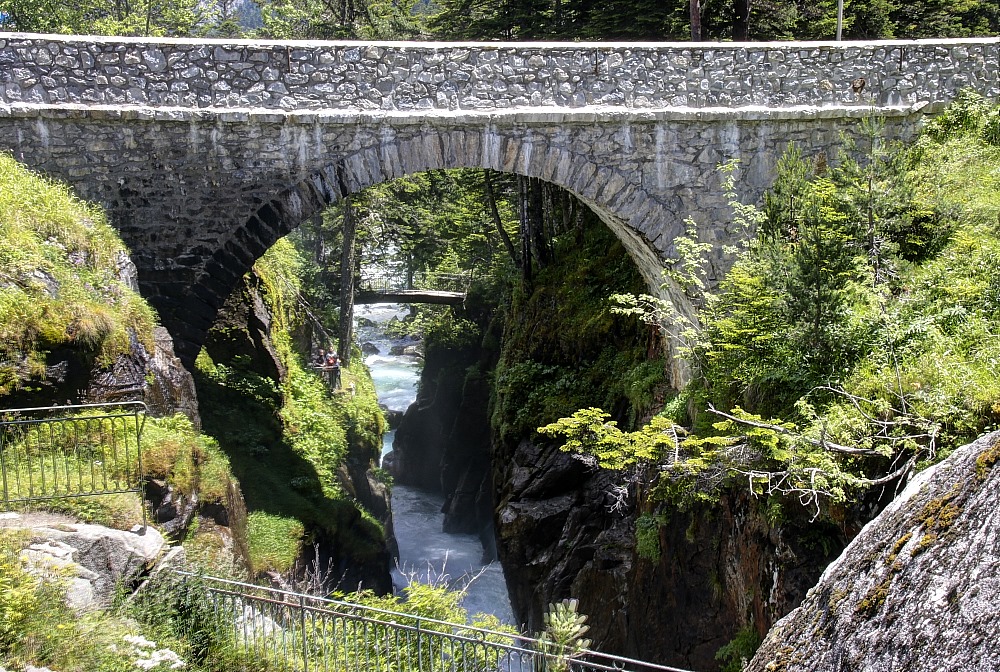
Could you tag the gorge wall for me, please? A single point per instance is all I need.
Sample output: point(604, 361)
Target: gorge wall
point(722, 568)
point(560, 531)
point(443, 441)
point(242, 410)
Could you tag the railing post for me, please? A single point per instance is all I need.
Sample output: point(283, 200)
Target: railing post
point(420, 647)
point(305, 636)
point(3, 466)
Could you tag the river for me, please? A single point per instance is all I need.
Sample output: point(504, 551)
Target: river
point(426, 553)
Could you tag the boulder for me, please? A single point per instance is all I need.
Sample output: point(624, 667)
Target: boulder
point(95, 559)
point(916, 590)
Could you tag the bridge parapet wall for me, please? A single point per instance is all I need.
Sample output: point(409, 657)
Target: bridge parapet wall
point(426, 76)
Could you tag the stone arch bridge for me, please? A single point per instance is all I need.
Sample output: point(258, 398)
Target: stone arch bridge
point(206, 152)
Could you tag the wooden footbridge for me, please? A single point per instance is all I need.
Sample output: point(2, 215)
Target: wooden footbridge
point(411, 296)
point(384, 290)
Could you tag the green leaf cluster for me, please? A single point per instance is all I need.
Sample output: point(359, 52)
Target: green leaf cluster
point(592, 431)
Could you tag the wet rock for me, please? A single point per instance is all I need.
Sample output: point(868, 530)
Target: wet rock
point(393, 417)
point(721, 566)
point(172, 388)
point(369, 348)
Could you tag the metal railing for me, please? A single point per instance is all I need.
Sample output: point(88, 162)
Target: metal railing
point(70, 451)
point(276, 629)
point(450, 282)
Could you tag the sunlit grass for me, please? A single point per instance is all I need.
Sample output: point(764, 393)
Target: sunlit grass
point(58, 278)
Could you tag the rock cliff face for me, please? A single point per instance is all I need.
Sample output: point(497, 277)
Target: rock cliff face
point(443, 442)
point(722, 568)
point(916, 589)
point(73, 375)
point(92, 559)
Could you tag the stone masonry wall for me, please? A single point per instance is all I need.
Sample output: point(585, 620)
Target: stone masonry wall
point(434, 76)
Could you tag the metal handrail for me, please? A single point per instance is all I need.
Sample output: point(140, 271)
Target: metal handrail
point(82, 450)
point(300, 631)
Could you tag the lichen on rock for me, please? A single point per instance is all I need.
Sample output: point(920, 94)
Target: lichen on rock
point(916, 589)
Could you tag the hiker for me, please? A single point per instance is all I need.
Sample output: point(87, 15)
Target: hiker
point(333, 361)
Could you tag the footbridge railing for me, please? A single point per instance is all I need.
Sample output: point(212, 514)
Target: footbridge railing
point(440, 288)
point(276, 629)
point(70, 451)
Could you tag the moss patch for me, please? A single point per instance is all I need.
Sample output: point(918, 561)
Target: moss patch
point(987, 459)
point(59, 283)
point(897, 547)
point(875, 598)
point(937, 517)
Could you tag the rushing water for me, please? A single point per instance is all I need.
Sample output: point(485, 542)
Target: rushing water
point(426, 553)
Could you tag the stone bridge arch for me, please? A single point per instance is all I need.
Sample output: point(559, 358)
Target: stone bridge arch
point(205, 152)
point(641, 193)
point(336, 174)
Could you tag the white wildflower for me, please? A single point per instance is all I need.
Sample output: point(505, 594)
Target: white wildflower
point(149, 657)
point(139, 642)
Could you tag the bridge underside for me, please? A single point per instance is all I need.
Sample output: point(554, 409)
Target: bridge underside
point(198, 196)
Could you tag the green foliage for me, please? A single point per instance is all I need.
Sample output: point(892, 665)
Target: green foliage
point(431, 230)
point(37, 628)
point(336, 19)
point(859, 330)
point(647, 536)
point(288, 440)
point(178, 18)
point(274, 541)
point(669, 19)
point(119, 511)
point(738, 651)
point(23, 598)
point(173, 622)
point(442, 328)
point(59, 284)
point(591, 431)
point(965, 116)
point(190, 462)
point(566, 349)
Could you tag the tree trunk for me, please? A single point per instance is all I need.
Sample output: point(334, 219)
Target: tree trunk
point(741, 20)
point(696, 20)
point(491, 200)
point(536, 218)
point(347, 284)
point(525, 228)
